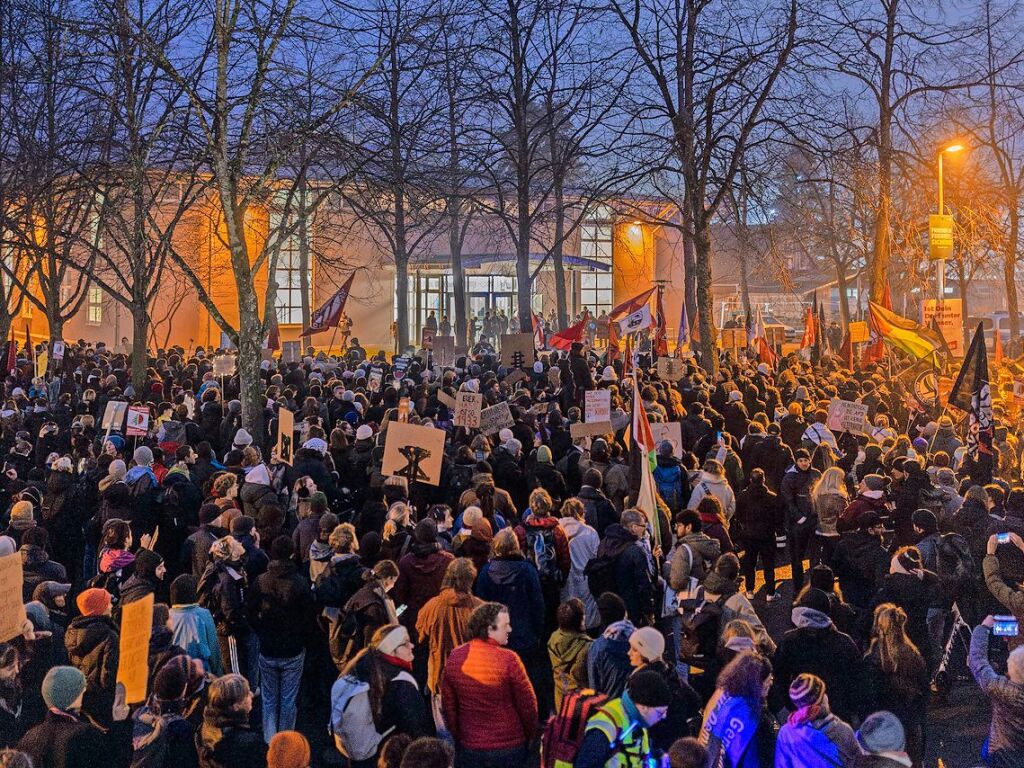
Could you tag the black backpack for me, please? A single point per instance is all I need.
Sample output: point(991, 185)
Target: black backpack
point(333, 589)
point(600, 571)
point(700, 628)
point(954, 557)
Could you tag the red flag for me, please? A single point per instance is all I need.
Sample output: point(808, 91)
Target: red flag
point(997, 348)
point(273, 340)
point(328, 315)
point(846, 351)
point(661, 329)
point(613, 343)
point(810, 323)
point(572, 334)
point(629, 306)
point(875, 349)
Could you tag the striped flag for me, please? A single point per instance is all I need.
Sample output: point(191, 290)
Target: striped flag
point(914, 339)
point(646, 494)
point(629, 306)
point(328, 315)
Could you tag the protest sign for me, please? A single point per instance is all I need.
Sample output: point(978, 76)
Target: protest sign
point(136, 630)
point(113, 415)
point(444, 351)
point(847, 416)
point(403, 409)
point(597, 405)
point(496, 418)
point(401, 365)
point(515, 377)
point(427, 336)
point(225, 341)
point(467, 409)
point(224, 365)
point(445, 399)
point(516, 350)
point(285, 436)
point(373, 383)
point(12, 610)
point(138, 421)
point(671, 368)
point(58, 350)
point(859, 332)
point(291, 351)
point(590, 429)
point(413, 452)
point(671, 431)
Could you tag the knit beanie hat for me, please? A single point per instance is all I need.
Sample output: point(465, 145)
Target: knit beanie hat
point(117, 470)
point(288, 749)
point(648, 689)
point(143, 456)
point(648, 642)
point(93, 602)
point(882, 732)
point(62, 686)
point(806, 690)
point(171, 682)
point(425, 531)
point(21, 514)
point(875, 482)
point(8, 546)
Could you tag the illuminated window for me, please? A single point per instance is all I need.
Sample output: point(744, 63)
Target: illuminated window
point(94, 306)
point(288, 276)
point(595, 283)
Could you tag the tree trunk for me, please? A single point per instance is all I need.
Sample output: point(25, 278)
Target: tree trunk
point(250, 383)
point(523, 303)
point(844, 300)
point(140, 354)
point(880, 258)
point(556, 257)
point(458, 273)
point(1010, 277)
point(401, 272)
point(705, 304)
point(689, 262)
point(304, 260)
point(745, 282)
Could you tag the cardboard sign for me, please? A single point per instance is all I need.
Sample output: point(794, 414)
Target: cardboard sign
point(949, 316)
point(1018, 390)
point(403, 409)
point(671, 431)
point(496, 418)
point(516, 350)
point(413, 452)
point(444, 351)
point(12, 610)
point(224, 365)
point(133, 667)
point(427, 336)
point(847, 416)
point(467, 409)
point(446, 399)
point(285, 436)
point(671, 368)
point(58, 350)
point(555, 377)
point(515, 377)
point(291, 351)
point(138, 421)
point(597, 405)
point(376, 377)
point(113, 415)
point(590, 429)
point(859, 333)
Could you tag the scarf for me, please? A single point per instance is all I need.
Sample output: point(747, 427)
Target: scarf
point(400, 663)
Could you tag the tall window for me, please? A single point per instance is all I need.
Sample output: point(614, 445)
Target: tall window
point(94, 306)
point(595, 283)
point(288, 276)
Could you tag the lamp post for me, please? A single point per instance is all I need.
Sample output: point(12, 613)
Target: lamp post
point(941, 266)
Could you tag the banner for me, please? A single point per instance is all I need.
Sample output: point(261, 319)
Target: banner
point(637, 321)
point(328, 315)
point(413, 452)
point(136, 630)
point(285, 436)
point(847, 416)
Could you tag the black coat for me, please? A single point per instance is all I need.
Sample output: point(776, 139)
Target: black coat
point(860, 563)
point(230, 746)
point(633, 579)
point(828, 653)
point(915, 596)
point(281, 605)
point(774, 457)
point(93, 647)
point(908, 500)
point(64, 741)
point(599, 510)
point(758, 516)
point(223, 596)
point(37, 568)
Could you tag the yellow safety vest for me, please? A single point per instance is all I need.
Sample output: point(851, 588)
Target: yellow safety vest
point(612, 721)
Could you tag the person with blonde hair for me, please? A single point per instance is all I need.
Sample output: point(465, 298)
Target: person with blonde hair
point(895, 677)
point(829, 498)
point(225, 739)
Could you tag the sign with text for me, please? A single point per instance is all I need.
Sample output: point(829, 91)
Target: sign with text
point(847, 416)
point(12, 610)
point(376, 377)
point(671, 368)
point(413, 452)
point(496, 418)
point(58, 350)
point(859, 333)
point(517, 350)
point(940, 237)
point(671, 431)
point(113, 415)
point(467, 409)
point(444, 351)
point(427, 336)
point(949, 316)
point(597, 405)
point(138, 421)
point(224, 365)
point(133, 666)
point(285, 436)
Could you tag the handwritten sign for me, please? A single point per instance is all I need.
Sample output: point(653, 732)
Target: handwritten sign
point(467, 409)
point(12, 610)
point(136, 629)
point(413, 452)
point(516, 350)
point(515, 377)
point(671, 431)
point(445, 399)
point(138, 421)
point(597, 405)
point(285, 436)
point(859, 332)
point(590, 429)
point(847, 416)
point(224, 365)
point(671, 368)
point(444, 351)
point(496, 418)
point(113, 415)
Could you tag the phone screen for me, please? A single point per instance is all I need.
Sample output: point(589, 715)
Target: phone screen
point(1003, 538)
point(1005, 626)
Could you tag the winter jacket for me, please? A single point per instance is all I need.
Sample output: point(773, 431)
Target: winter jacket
point(420, 574)
point(736, 606)
point(695, 559)
point(758, 516)
point(221, 591)
point(796, 494)
point(442, 626)
point(822, 742)
point(93, 647)
point(568, 654)
point(230, 746)
point(774, 457)
point(514, 582)
point(668, 478)
point(608, 664)
point(737, 732)
point(482, 677)
point(915, 596)
point(532, 533)
point(872, 501)
point(684, 709)
point(792, 430)
point(37, 568)
point(64, 740)
point(599, 512)
point(583, 545)
point(372, 609)
point(195, 552)
point(908, 500)
point(280, 607)
point(633, 578)
point(712, 485)
point(905, 695)
point(192, 629)
point(945, 439)
point(402, 709)
point(860, 563)
point(1006, 734)
point(718, 529)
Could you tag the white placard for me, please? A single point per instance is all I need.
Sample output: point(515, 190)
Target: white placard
point(597, 405)
point(847, 416)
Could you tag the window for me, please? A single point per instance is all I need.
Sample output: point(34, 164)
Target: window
point(288, 276)
point(94, 306)
point(596, 284)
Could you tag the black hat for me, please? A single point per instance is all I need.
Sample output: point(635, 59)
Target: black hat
point(801, 453)
point(814, 599)
point(648, 689)
point(868, 520)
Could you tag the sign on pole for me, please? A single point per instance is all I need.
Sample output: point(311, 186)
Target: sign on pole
point(444, 351)
point(291, 351)
point(847, 416)
point(113, 415)
point(373, 383)
point(224, 365)
point(517, 350)
point(413, 452)
point(940, 237)
point(58, 350)
point(138, 421)
point(859, 332)
point(427, 336)
point(949, 316)
point(671, 368)
point(12, 610)
point(285, 436)
point(133, 665)
point(467, 409)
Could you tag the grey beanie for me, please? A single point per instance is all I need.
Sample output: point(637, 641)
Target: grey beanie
point(882, 732)
point(143, 456)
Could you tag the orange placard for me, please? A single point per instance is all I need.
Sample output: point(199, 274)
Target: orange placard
point(133, 667)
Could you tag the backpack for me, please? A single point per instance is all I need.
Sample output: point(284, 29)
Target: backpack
point(149, 737)
point(600, 572)
point(954, 556)
point(669, 485)
point(541, 551)
point(563, 734)
point(932, 499)
point(355, 734)
point(461, 478)
point(333, 590)
point(699, 628)
point(110, 581)
point(344, 637)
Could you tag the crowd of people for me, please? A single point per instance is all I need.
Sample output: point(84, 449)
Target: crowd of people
point(524, 610)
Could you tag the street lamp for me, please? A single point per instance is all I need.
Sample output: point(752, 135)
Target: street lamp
point(941, 271)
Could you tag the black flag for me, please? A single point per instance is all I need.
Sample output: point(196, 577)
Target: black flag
point(971, 393)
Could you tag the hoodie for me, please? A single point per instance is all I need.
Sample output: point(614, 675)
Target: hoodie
point(568, 653)
point(712, 485)
point(813, 738)
point(682, 566)
point(514, 582)
point(608, 665)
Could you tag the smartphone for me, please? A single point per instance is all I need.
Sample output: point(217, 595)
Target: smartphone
point(1003, 538)
point(1005, 626)
point(401, 609)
